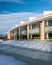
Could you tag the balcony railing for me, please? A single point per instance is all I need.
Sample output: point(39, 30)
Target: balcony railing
point(23, 32)
point(34, 31)
point(48, 29)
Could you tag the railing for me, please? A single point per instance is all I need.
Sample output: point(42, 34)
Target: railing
point(48, 29)
point(34, 31)
point(23, 32)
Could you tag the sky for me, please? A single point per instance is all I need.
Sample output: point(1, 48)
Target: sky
point(12, 12)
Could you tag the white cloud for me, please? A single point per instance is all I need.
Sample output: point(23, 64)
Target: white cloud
point(17, 1)
point(7, 21)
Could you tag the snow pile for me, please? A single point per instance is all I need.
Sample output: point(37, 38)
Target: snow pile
point(38, 45)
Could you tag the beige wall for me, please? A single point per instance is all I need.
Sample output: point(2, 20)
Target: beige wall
point(8, 35)
point(42, 32)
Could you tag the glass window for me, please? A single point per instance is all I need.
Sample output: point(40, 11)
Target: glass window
point(50, 22)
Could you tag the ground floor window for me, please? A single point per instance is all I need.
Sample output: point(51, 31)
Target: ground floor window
point(23, 37)
point(48, 36)
point(35, 36)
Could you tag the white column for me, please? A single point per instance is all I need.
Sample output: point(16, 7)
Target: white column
point(47, 22)
point(19, 33)
point(27, 32)
point(15, 36)
point(47, 35)
point(42, 32)
point(31, 29)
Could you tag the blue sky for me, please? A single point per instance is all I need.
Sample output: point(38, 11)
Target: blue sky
point(14, 11)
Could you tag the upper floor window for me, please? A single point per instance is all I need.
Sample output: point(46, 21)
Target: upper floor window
point(49, 22)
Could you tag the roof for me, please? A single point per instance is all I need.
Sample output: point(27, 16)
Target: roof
point(38, 19)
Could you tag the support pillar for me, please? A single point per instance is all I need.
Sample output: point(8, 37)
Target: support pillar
point(42, 32)
point(46, 22)
point(27, 32)
point(15, 36)
point(12, 35)
point(16, 33)
point(8, 35)
point(31, 29)
point(47, 35)
point(19, 33)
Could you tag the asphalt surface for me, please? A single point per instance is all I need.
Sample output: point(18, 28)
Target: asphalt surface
point(30, 56)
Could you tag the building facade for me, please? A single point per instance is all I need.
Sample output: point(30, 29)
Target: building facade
point(36, 29)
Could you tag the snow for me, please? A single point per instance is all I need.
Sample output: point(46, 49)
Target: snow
point(38, 45)
point(1, 40)
point(8, 60)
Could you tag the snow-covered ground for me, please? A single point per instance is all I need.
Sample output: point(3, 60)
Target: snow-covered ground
point(1, 40)
point(38, 45)
point(8, 60)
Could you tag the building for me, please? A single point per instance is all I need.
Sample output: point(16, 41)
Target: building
point(39, 28)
